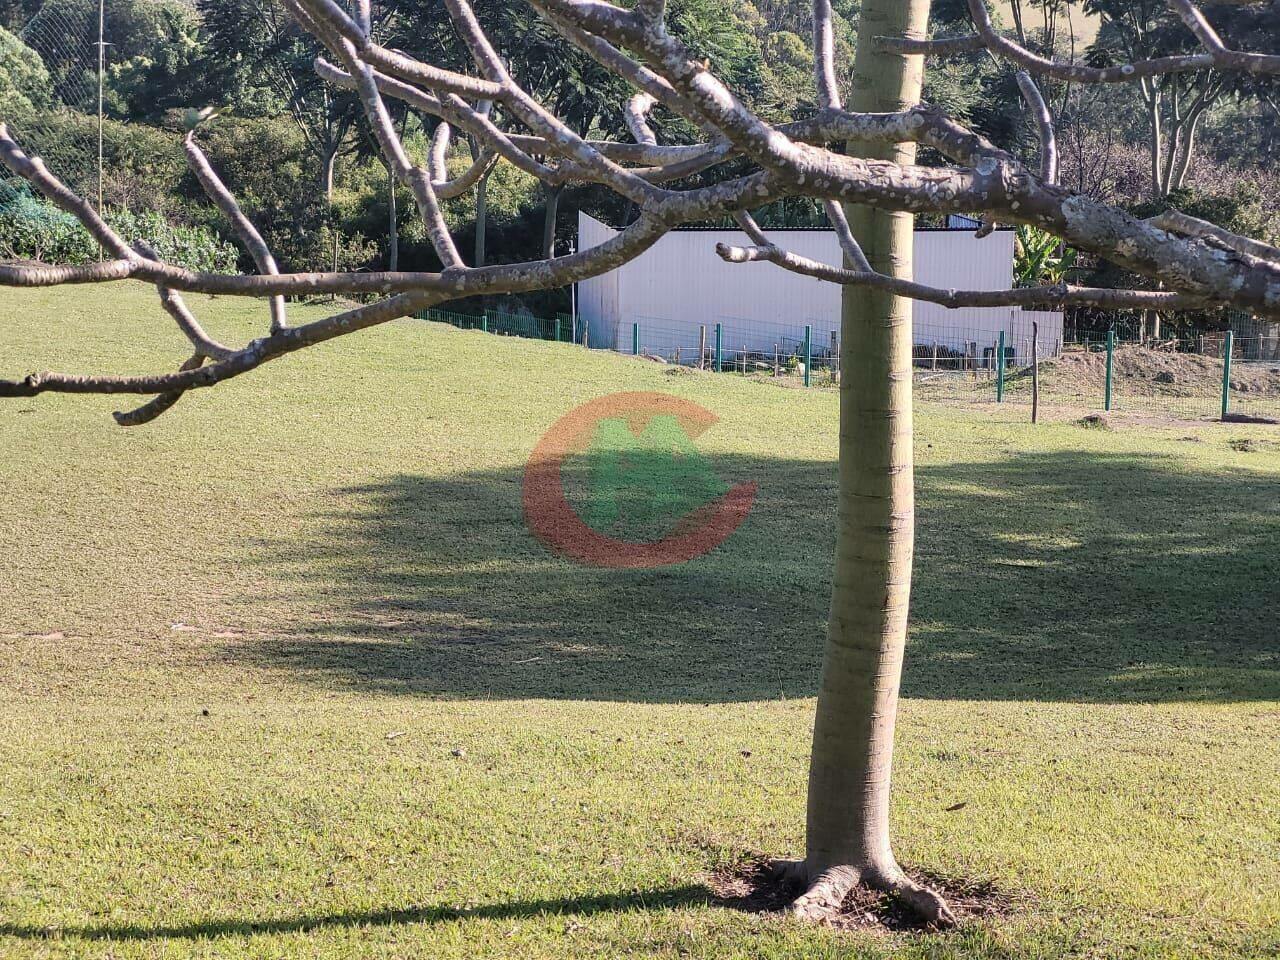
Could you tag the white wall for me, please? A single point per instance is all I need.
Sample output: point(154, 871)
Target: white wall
point(598, 297)
point(680, 283)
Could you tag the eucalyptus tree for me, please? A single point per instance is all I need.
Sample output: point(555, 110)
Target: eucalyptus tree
point(859, 161)
point(1174, 105)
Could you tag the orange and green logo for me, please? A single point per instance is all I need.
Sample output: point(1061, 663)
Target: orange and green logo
point(619, 482)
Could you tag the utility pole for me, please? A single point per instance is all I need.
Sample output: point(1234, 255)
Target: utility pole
point(102, 74)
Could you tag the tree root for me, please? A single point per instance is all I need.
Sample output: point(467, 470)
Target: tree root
point(824, 895)
point(927, 904)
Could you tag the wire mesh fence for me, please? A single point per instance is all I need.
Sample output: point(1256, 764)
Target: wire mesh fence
point(1208, 377)
point(558, 328)
point(54, 75)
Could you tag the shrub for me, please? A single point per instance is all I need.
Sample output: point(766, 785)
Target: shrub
point(193, 247)
point(31, 229)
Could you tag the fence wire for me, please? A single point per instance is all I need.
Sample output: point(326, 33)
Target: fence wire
point(1183, 379)
point(61, 124)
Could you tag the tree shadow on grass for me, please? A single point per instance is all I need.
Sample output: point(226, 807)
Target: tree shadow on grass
point(1063, 576)
point(669, 899)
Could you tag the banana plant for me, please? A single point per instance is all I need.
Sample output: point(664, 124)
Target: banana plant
point(1040, 258)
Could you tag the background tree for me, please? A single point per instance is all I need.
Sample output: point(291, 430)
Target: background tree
point(151, 41)
point(24, 81)
point(15, 13)
point(255, 59)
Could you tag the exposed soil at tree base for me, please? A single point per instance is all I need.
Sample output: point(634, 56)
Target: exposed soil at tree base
point(751, 886)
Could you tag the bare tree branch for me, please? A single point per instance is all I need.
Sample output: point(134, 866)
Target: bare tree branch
point(848, 243)
point(244, 228)
point(165, 401)
point(824, 56)
point(1188, 226)
point(176, 307)
point(1058, 295)
point(987, 37)
point(1200, 264)
point(1049, 296)
point(637, 111)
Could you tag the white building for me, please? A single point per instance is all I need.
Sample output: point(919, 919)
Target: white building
point(680, 285)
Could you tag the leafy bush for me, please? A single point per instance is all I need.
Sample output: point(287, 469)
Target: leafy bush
point(31, 229)
point(196, 248)
point(144, 165)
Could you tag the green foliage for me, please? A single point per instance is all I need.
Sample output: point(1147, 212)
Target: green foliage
point(511, 194)
point(788, 77)
point(268, 166)
point(24, 81)
point(718, 31)
point(32, 229)
point(1040, 258)
point(258, 62)
point(152, 41)
point(193, 247)
point(143, 163)
point(15, 13)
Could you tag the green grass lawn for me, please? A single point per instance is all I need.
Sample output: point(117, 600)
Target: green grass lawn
point(285, 674)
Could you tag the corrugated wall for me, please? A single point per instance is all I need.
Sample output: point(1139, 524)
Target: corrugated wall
point(680, 283)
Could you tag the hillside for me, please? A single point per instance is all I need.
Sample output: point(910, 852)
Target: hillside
point(287, 675)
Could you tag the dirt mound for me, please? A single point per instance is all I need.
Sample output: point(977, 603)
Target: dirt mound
point(1146, 372)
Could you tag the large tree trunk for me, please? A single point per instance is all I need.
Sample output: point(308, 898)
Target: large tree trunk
point(1156, 144)
point(328, 163)
point(549, 221)
point(849, 777)
point(482, 218)
point(393, 224)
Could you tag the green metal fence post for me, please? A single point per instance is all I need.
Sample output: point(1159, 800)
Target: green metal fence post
point(719, 346)
point(808, 354)
point(1000, 369)
point(1111, 352)
point(1226, 374)
point(635, 339)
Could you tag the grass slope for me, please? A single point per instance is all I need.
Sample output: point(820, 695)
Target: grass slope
point(427, 736)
